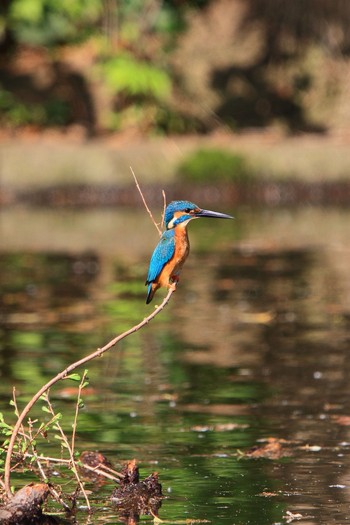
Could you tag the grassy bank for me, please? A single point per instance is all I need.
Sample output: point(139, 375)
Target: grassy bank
point(30, 161)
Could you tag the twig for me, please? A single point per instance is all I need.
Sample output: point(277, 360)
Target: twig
point(164, 206)
point(26, 438)
point(101, 469)
point(39, 459)
point(30, 438)
point(14, 400)
point(77, 406)
point(70, 452)
point(101, 472)
point(117, 474)
point(63, 375)
point(145, 203)
point(58, 498)
point(35, 454)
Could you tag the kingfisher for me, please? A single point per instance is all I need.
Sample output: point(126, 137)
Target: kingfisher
point(173, 248)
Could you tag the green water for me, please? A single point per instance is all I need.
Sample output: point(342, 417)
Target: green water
point(254, 344)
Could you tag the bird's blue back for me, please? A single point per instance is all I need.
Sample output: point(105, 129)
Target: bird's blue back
point(162, 254)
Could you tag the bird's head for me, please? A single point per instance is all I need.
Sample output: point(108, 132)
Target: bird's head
point(178, 212)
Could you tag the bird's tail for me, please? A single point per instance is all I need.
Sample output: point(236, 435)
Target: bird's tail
point(150, 292)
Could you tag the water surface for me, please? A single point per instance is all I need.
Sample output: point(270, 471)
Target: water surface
point(254, 345)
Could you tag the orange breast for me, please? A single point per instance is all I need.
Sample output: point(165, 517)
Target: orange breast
point(182, 249)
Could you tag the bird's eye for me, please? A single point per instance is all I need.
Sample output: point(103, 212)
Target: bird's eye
point(188, 210)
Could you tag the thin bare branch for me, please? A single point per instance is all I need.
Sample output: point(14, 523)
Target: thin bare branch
point(112, 471)
point(30, 438)
point(145, 203)
point(35, 454)
point(63, 375)
point(22, 431)
point(70, 452)
point(101, 472)
point(81, 386)
point(58, 498)
point(164, 206)
point(101, 469)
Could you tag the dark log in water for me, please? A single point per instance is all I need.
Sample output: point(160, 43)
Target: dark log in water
point(25, 506)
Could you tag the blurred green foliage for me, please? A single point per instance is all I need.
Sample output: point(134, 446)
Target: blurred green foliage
point(47, 22)
point(140, 88)
point(136, 77)
point(214, 165)
point(133, 72)
point(131, 41)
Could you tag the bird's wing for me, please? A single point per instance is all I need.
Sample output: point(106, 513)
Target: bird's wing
point(163, 252)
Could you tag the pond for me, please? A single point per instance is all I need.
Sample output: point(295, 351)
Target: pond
point(237, 394)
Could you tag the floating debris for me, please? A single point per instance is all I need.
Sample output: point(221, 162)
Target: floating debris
point(220, 427)
point(134, 497)
point(273, 449)
point(344, 421)
point(97, 468)
point(290, 516)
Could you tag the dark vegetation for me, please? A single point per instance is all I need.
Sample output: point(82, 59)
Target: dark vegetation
point(173, 67)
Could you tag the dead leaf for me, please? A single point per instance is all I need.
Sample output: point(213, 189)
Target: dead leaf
point(342, 420)
point(272, 450)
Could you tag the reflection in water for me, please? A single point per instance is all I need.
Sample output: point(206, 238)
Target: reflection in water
point(254, 344)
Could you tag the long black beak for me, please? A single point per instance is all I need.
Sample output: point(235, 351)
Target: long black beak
point(213, 214)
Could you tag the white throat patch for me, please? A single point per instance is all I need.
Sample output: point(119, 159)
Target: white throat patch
point(171, 223)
